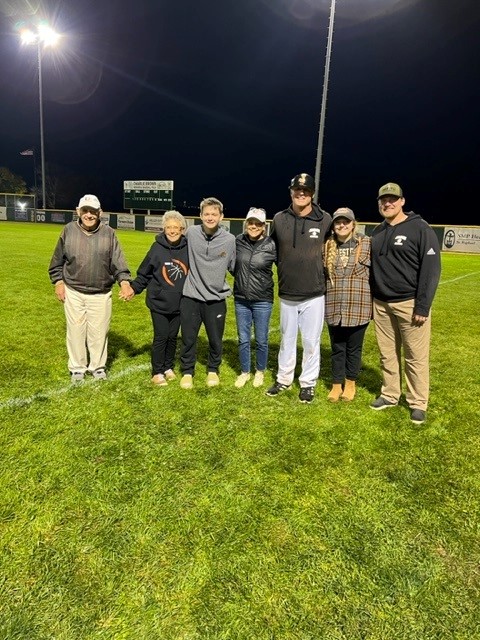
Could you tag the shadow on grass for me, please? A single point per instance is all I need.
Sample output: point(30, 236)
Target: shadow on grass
point(118, 343)
point(370, 378)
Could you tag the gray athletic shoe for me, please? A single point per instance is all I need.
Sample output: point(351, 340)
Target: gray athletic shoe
point(417, 416)
point(381, 403)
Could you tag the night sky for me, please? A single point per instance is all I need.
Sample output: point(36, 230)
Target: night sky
point(224, 98)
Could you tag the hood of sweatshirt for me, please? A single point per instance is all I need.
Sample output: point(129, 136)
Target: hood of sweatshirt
point(161, 239)
point(301, 222)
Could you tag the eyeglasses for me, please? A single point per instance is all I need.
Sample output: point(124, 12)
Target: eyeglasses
point(342, 223)
point(94, 212)
point(255, 223)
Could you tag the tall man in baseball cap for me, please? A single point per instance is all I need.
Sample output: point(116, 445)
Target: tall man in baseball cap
point(85, 265)
point(299, 234)
point(405, 274)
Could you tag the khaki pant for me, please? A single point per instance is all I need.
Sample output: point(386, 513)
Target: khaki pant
point(395, 331)
point(88, 322)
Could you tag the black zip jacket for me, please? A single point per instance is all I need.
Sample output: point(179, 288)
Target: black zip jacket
point(406, 263)
point(162, 273)
point(253, 269)
point(299, 244)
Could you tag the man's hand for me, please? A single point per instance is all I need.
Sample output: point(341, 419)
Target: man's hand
point(417, 320)
point(60, 290)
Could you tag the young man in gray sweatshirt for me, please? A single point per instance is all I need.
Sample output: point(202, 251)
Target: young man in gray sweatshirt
point(211, 252)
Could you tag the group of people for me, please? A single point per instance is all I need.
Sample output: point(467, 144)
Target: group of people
point(326, 270)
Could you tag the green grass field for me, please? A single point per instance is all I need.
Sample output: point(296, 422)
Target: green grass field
point(132, 512)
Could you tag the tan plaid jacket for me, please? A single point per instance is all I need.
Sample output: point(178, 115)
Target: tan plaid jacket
point(348, 300)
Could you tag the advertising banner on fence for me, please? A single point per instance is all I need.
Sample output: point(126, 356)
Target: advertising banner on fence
point(153, 223)
point(461, 239)
point(21, 215)
point(3, 213)
point(125, 221)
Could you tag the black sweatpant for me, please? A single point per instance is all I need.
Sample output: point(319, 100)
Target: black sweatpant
point(165, 332)
point(347, 346)
point(192, 314)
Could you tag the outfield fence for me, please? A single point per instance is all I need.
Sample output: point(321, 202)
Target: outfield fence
point(21, 208)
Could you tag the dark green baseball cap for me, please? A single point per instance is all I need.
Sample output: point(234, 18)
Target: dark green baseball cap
point(390, 189)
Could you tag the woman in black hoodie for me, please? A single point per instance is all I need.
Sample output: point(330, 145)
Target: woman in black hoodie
point(162, 273)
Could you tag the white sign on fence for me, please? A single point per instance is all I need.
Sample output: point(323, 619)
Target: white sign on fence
point(461, 239)
point(125, 221)
point(153, 223)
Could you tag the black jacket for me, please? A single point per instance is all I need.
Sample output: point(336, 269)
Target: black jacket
point(253, 269)
point(406, 263)
point(299, 244)
point(162, 273)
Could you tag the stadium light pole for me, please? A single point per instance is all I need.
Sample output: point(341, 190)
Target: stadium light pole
point(44, 36)
point(323, 109)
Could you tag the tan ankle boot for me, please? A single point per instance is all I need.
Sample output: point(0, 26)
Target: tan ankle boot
point(335, 393)
point(349, 391)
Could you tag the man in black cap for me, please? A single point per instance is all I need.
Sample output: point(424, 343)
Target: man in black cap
point(405, 275)
point(299, 234)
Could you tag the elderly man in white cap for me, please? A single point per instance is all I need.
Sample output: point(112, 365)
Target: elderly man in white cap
point(86, 263)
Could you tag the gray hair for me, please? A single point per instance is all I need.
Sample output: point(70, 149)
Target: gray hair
point(211, 202)
point(174, 215)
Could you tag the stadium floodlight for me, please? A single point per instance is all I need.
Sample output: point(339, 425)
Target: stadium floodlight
point(44, 36)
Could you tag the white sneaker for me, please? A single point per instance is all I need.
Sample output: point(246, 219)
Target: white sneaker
point(169, 374)
point(258, 378)
point(242, 380)
point(187, 381)
point(212, 379)
point(159, 380)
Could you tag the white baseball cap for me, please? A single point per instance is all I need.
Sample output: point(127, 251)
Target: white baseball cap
point(89, 200)
point(258, 214)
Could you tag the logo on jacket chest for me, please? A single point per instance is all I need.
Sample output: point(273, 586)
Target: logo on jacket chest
point(399, 240)
point(173, 271)
point(314, 233)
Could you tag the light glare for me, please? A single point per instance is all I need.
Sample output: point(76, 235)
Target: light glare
point(28, 37)
point(45, 34)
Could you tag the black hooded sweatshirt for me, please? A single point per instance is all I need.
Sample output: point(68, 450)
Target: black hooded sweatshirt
point(406, 262)
point(299, 242)
point(162, 273)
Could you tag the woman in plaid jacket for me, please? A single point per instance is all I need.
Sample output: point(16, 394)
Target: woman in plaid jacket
point(348, 301)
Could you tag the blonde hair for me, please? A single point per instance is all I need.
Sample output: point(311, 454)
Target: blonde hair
point(211, 202)
point(331, 252)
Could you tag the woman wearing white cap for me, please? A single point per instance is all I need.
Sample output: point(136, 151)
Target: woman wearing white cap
point(348, 301)
point(253, 294)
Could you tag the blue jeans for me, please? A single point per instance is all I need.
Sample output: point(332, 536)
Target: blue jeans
point(258, 314)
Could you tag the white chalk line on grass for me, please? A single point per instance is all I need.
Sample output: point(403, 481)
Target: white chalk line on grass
point(466, 275)
point(47, 395)
point(23, 402)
